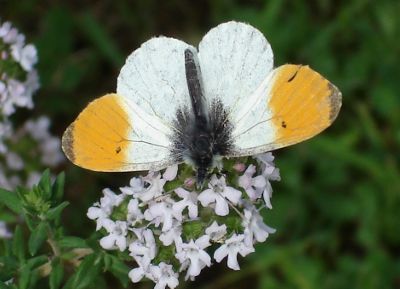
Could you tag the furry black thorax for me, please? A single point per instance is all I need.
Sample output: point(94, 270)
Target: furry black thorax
point(203, 133)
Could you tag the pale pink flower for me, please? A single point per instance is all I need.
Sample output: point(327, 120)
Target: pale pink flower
point(144, 248)
point(26, 55)
point(254, 227)
point(216, 232)
point(219, 194)
point(161, 212)
point(253, 186)
point(189, 201)
point(193, 256)
point(117, 235)
point(232, 247)
point(170, 173)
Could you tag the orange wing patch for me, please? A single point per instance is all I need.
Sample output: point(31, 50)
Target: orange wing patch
point(97, 139)
point(303, 103)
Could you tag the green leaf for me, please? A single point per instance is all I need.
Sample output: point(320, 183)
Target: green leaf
point(38, 236)
point(35, 262)
point(58, 188)
point(54, 213)
point(22, 192)
point(29, 222)
point(45, 184)
point(72, 242)
point(120, 270)
point(57, 274)
point(18, 244)
point(11, 201)
point(107, 259)
point(87, 271)
point(24, 277)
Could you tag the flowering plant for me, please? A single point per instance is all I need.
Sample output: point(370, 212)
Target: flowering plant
point(162, 221)
point(167, 225)
point(31, 142)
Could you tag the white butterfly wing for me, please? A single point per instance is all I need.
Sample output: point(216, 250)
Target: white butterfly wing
point(131, 130)
point(292, 104)
point(154, 78)
point(235, 58)
point(268, 108)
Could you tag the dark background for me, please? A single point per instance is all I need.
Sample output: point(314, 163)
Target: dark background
point(337, 207)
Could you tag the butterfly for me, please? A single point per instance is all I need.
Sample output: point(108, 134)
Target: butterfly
point(175, 103)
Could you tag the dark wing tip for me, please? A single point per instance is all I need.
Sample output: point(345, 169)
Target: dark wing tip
point(336, 102)
point(67, 143)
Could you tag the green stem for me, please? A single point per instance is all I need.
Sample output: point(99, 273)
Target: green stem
point(53, 244)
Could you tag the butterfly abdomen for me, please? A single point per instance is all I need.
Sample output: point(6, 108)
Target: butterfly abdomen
point(202, 143)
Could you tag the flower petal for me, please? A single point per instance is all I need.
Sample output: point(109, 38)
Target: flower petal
point(259, 182)
point(194, 268)
point(221, 253)
point(232, 261)
point(232, 194)
point(203, 242)
point(206, 197)
point(136, 274)
point(108, 242)
point(170, 173)
point(221, 206)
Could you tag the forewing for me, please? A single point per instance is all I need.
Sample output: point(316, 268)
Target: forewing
point(114, 134)
point(154, 78)
point(132, 130)
point(292, 104)
point(234, 59)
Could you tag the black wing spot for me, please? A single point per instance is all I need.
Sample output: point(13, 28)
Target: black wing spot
point(283, 124)
point(117, 150)
point(294, 75)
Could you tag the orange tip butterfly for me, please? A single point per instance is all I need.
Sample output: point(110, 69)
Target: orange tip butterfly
point(175, 103)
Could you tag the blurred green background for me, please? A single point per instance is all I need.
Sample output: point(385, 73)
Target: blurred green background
point(337, 207)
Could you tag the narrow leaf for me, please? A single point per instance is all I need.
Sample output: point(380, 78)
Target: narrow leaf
point(24, 277)
point(54, 213)
point(120, 270)
point(87, 271)
point(107, 261)
point(72, 242)
point(45, 184)
point(37, 238)
point(18, 244)
point(58, 188)
point(10, 200)
point(29, 222)
point(57, 274)
point(37, 261)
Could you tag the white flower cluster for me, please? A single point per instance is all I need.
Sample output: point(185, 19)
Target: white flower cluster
point(168, 226)
point(18, 78)
point(32, 143)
